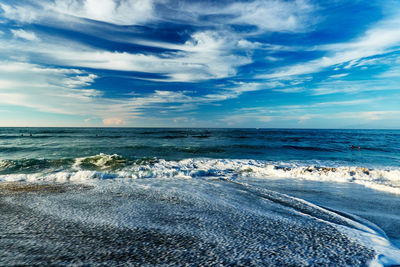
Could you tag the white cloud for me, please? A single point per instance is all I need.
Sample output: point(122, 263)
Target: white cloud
point(266, 15)
point(338, 75)
point(268, 117)
point(22, 99)
point(370, 115)
point(122, 12)
point(80, 80)
point(30, 36)
point(351, 87)
point(113, 121)
point(294, 111)
point(381, 39)
point(393, 72)
point(272, 59)
point(272, 15)
point(19, 13)
point(306, 115)
point(327, 104)
point(291, 90)
point(241, 87)
point(8, 84)
point(206, 55)
point(57, 90)
point(42, 88)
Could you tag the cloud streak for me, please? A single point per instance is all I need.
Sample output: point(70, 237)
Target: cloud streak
point(30, 36)
point(123, 12)
point(381, 39)
point(206, 55)
point(65, 91)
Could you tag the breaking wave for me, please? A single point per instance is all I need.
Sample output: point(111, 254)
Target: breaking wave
point(103, 166)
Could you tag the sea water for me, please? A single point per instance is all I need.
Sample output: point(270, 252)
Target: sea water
point(114, 196)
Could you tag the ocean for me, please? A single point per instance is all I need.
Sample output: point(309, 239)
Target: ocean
point(201, 197)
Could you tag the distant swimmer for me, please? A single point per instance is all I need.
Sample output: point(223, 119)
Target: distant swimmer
point(354, 147)
point(22, 134)
point(30, 134)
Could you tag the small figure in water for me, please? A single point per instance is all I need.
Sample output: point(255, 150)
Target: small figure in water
point(30, 134)
point(22, 134)
point(353, 147)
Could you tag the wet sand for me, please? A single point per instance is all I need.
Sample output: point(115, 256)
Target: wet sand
point(176, 236)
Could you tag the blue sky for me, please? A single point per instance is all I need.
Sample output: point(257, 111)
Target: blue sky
point(172, 63)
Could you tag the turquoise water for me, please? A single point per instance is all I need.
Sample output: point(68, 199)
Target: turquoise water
point(112, 196)
point(377, 147)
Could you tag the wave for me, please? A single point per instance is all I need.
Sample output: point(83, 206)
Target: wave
point(174, 136)
point(27, 136)
point(308, 148)
point(103, 166)
point(11, 149)
point(22, 166)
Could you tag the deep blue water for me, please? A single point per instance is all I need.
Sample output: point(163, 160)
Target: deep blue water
point(377, 147)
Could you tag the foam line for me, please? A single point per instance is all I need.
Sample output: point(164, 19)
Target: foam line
point(104, 166)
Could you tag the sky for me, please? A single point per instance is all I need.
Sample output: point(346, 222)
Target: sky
point(182, 63)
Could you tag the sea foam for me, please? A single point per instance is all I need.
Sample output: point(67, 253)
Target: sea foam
point(104, 166)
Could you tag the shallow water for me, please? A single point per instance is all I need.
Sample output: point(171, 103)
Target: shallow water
point(173, 222)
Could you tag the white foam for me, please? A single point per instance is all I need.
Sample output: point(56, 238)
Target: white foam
point(114, 166)
point(386, 253)
point(357, 229)
point(387, 180)
point(229, 169)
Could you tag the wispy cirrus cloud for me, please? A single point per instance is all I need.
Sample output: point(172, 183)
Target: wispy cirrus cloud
point(44, 89)
point(21, 13)
point(215, 53)
point(67, 91)
point(274, 15)
point(206, 55)
point(352, 87)
point(375, 115)
point(30, 36)
point(323, 113)
point(264, 15)
point(124, 12)
point(268, 15)
point(380, 39)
